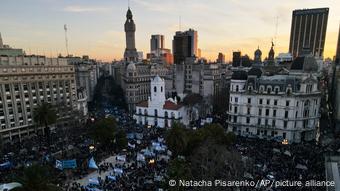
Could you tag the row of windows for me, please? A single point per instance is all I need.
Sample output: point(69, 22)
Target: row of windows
point(273, 122)
point(275, 102)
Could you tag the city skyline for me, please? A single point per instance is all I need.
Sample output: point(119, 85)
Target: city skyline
point(97, 28)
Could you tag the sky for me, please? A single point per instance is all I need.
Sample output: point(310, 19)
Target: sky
point(96, 28)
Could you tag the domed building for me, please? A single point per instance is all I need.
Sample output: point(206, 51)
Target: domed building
point(258, 55)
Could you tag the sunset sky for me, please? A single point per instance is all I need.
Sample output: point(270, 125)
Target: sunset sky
point(95, 27)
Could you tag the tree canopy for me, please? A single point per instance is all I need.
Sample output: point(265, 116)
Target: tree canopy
point(36, 178)
point(104, 131)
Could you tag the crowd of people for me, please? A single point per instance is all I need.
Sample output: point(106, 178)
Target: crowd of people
point(142, 165)
point(275, 161)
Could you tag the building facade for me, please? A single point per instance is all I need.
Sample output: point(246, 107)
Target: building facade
point(308, 30)
point(156, 42)
point(276, 107)
point(184, 45)
point(87, 74)
point(26, 81)
point(157, 110)
point(135, 81)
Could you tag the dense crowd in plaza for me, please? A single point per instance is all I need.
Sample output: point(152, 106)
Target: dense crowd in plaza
point(142, 165)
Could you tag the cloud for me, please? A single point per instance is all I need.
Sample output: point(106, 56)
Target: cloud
point(81, 9)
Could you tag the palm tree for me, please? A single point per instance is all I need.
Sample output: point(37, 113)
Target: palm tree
point(36, 178)
point(45, 115)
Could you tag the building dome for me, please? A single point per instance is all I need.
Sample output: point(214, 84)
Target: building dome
point(258, 52)
point(131, 67)
point(239, 75)
point(255, 72)
point(305, 63)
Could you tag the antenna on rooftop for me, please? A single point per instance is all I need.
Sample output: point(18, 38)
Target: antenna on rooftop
point(66, 40)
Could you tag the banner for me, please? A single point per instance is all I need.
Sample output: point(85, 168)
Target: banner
point(66, 164)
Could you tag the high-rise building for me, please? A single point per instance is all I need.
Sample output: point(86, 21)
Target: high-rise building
point(220, 58)
point(156, 42)
point(337, 53)
point(130, 53)
point(236, 59)
point(184, 45)
point(308, 30)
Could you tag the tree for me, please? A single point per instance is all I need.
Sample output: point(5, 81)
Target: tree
point(178, 169)
point(177, 139)
point(212, 161)
point(46, 115)
point(121, 140)
point(36, 178)
point(103, 131)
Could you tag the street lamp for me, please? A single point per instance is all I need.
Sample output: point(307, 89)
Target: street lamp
point(285, 142)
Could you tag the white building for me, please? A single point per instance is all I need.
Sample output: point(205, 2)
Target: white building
point(158, 111)
point(276, 107)
point(26, 81)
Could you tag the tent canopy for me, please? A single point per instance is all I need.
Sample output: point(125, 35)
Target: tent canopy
point(92, 164)
point(10, 186)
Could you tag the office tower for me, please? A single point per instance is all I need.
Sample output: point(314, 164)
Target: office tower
point(308, 30)
point(156, 42)
point(184, 45)
point(337, 53)
point(236, 59)
point(130, 53)
point(220, 58)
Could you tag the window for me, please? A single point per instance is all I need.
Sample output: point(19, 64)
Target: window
point(286, 114)
point(156, 114)
point(274, 112)
point(237, 88)
point(276, 90)
point(249, 100)
point(260, 101)
point(161, 88)
point(248, 110)
point(275, 102)
point(155, 89)
point(287, 103)
point(248, 120)
point(267, 112)
point(285, 124)
point(235, 109)
point(284, 135)
point(259, 121)
point(266, 122)
point(235, 119)
point(269, 90)
point(273, 123)
point(260, 111)
point(236, 99)
point(268, 101)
